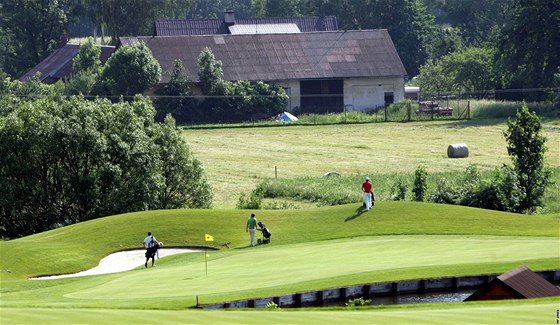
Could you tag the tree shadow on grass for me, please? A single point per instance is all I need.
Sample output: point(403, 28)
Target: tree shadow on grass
point(359, 211)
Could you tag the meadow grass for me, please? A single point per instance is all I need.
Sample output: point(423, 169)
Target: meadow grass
point(238, 159)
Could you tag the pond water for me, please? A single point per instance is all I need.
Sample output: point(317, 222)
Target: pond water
point(414, 298)
point(418, 298)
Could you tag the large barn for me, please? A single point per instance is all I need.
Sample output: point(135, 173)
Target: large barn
point(321, 71)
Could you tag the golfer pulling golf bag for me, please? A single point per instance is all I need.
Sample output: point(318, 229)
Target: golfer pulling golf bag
point(265, 233)
point(151, 251)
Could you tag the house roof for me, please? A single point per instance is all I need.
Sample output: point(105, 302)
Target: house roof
point(58, 65)
point(528, 283)
point(220, 26)
point(518, 283)
point(268, 57)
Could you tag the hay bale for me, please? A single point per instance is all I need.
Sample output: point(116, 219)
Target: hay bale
point(329, 174)
point(458, 150)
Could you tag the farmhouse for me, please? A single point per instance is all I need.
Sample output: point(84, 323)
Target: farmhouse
point(519, 283)
point(331, 71)
point(58, 65)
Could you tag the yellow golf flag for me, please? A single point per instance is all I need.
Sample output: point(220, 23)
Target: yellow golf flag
point(208, 237)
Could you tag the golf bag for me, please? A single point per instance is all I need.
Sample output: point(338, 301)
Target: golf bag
point(372, 200)
point(151, 251)
point(265, 233)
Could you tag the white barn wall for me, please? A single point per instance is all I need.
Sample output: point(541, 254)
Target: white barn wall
point(368, 94)
point(293, 92)
point(360, 94)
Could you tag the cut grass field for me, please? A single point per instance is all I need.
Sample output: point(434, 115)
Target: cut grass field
point(310, 249)
point(237, 159)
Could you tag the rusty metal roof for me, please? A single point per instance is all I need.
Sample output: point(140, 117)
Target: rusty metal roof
point(268, 57)
point(528, 283)
point(219, 26)
point(58, 65)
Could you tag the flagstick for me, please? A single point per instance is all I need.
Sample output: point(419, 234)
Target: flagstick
point(206, 260)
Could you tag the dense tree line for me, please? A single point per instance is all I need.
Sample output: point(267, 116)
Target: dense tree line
point(66, 160)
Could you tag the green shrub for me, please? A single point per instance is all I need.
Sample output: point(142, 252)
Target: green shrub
point(508, 189)
point(358, 302)
point(420, 184)
point(445, 192)
point(252, 201)
point(272, 305)
point(482, 195)
point(279, 205)
point(398, 190)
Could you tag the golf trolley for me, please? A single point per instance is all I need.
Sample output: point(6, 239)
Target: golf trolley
point(265, 233)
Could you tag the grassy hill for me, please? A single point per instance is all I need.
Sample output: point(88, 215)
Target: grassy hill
point(80, 246)
point(310, 249)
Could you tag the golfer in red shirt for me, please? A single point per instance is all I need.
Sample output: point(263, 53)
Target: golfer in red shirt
point(367, 189)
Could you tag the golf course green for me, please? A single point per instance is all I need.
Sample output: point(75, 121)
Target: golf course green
point(310, 249)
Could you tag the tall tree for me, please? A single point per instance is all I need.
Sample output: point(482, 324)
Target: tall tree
point(131, 70)
point(470, 69)
point(529, 45)
point(33, 29)
point(282, 8)
point(526, 146)
point(209, 72)
point(66, 161)
point(185, 184)
point(448, 40)
point(257, 8)
point(204, 9)
point(434, 81)
point(176, 96)
point(88, 58)
point(480, 21)
point(131, 17)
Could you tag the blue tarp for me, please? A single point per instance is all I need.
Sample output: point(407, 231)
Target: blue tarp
point(287, 117)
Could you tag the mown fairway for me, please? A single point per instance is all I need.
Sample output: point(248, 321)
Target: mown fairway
point(315, 248)
point(237, 158)
point(523, 312)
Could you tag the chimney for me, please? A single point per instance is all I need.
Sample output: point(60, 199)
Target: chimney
point(62, 40)
point(229, 17)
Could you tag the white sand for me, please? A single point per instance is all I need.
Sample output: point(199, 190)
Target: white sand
point(121, 261)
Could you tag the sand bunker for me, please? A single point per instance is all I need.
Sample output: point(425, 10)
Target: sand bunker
point(120, 262)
